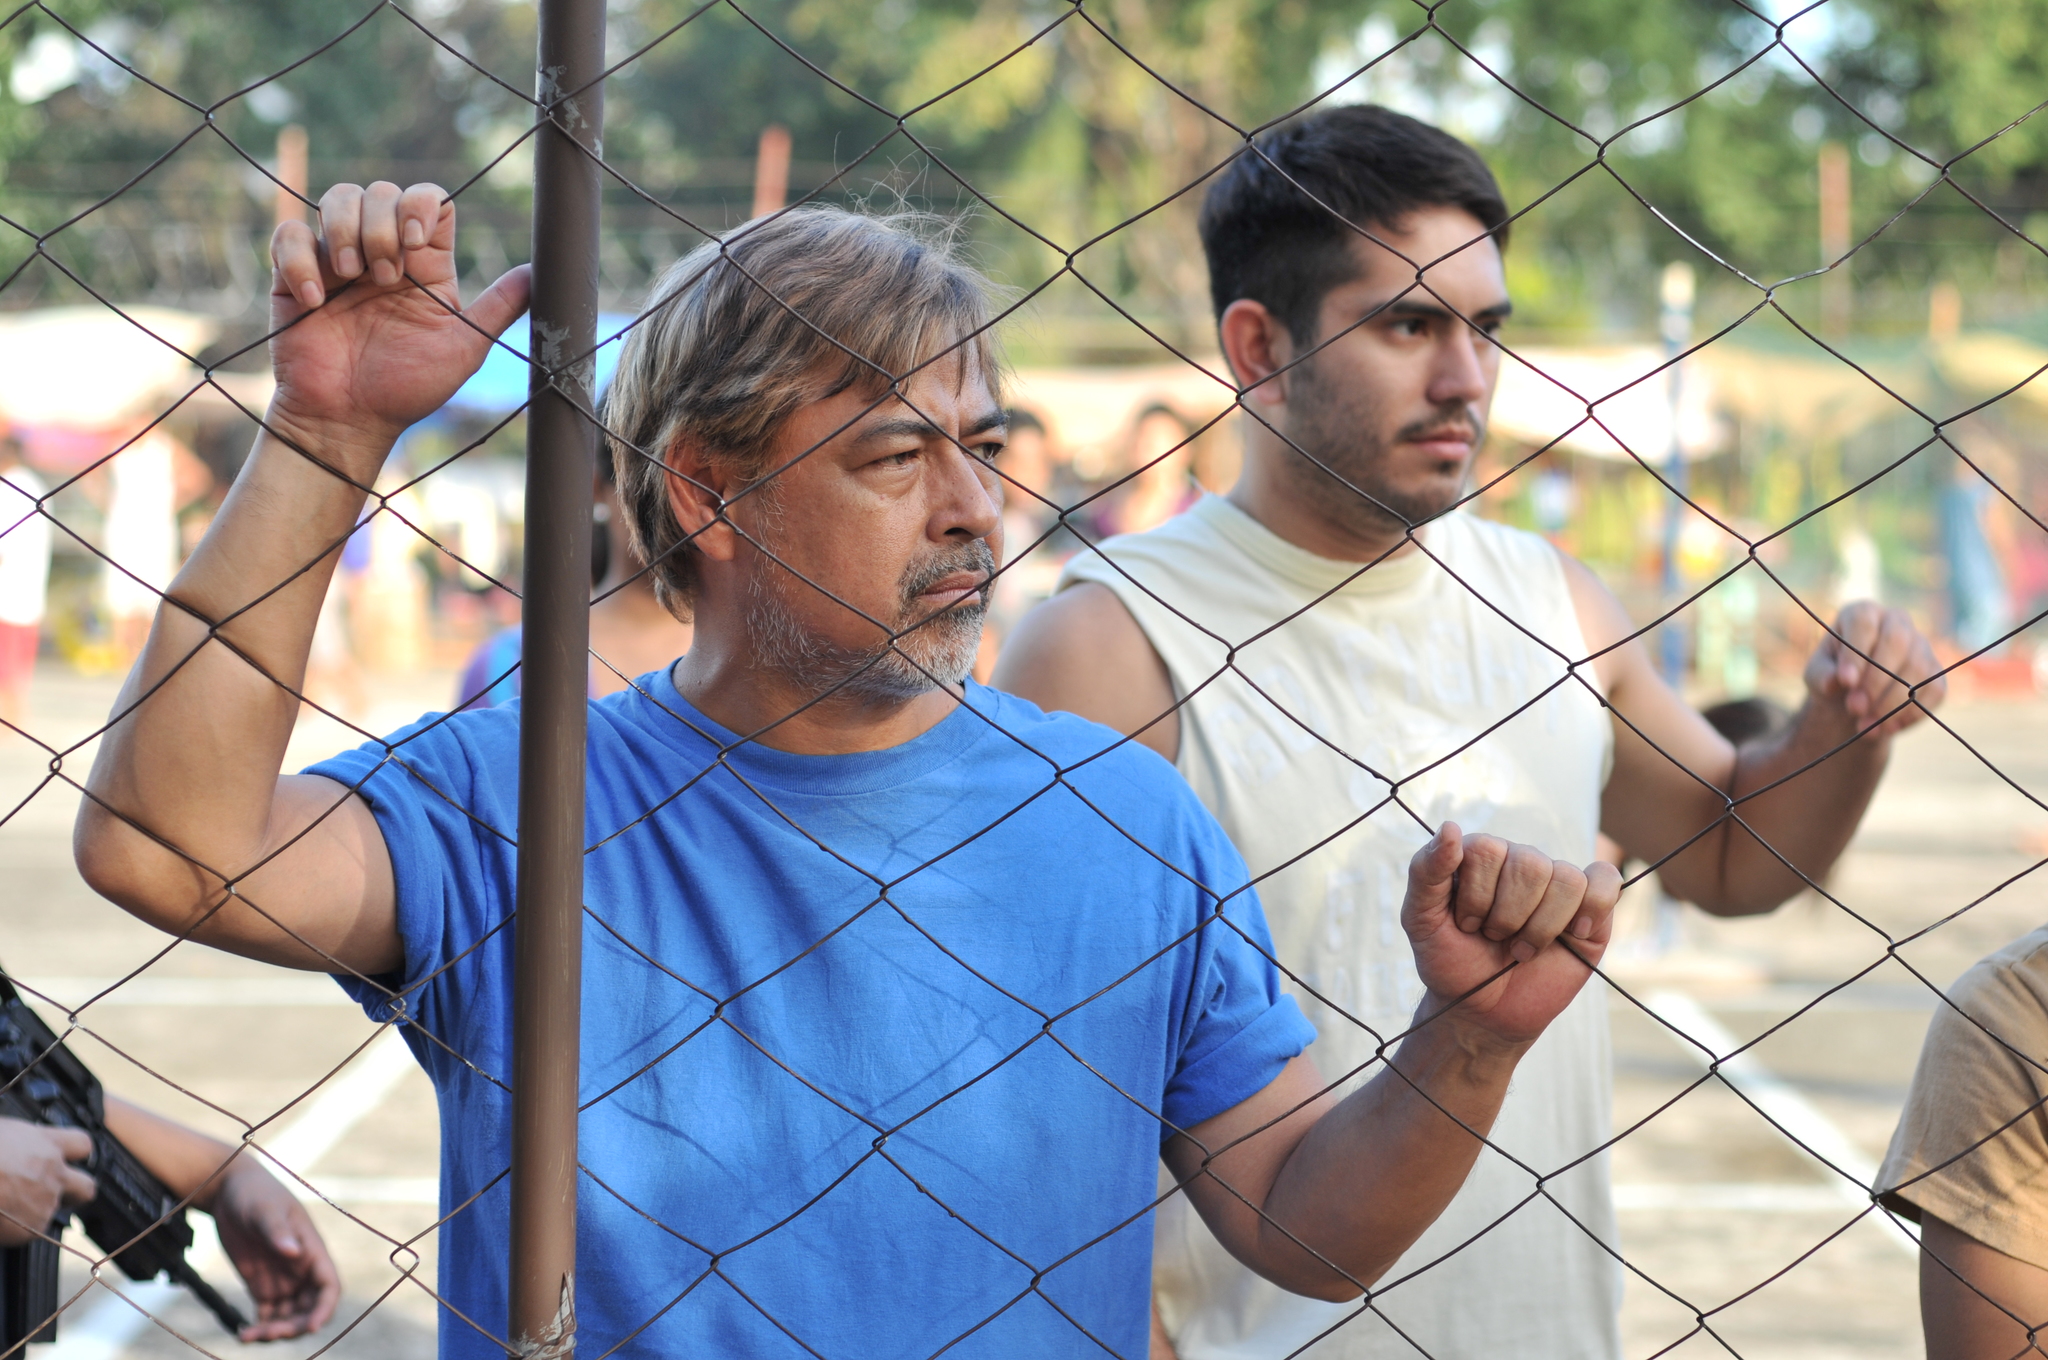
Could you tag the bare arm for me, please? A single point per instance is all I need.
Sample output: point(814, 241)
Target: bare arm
point(186, 794)
point(1976, 1303)
point(1673, 773)
point(1161, 1345)
point(266, 1232)
point(1322, 1197)
point(1081, 652)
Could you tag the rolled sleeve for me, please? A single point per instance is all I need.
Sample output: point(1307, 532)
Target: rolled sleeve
point(1240, 1067)
point(431, 790)
point(1241, 1028)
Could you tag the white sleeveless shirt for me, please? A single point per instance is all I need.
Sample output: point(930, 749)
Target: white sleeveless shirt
point(1338, 686)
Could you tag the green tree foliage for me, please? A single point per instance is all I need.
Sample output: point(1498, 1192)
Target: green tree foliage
point(1630, 133)
point(89, 115)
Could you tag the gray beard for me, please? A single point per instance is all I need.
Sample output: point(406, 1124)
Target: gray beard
point(926, 655)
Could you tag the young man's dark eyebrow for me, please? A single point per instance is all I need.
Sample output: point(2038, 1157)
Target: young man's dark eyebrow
point(1500, 311)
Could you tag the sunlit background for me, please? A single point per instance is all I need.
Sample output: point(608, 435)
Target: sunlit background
point(1681, 178)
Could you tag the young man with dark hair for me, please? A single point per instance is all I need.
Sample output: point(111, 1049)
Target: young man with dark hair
point(1337, 660)
point(896, 988)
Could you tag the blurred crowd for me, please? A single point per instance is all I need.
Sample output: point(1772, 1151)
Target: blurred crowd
point(428, 581)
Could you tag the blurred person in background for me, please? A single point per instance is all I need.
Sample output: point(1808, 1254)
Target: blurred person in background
point(388, 614)
point(334, 680)
point(24, 578)
point(832, 532)
point(1969, 1160)
point(1979, 601)
point(631, 631)
point(265, 1231)
point(1247, 638)
point(140, 536)
point(1162, 481)
point(1031, 508)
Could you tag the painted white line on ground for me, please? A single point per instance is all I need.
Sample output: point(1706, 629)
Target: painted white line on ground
point(1857, 997)
point(1741, 1197)
point(306, 989)
point(373, 1189)
point(339, 1105)
point(1794, 1115)
point(101, 1326)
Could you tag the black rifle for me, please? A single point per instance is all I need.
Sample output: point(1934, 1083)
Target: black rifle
point(133, 1217)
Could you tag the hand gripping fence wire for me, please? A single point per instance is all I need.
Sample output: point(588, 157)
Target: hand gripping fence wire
point(148, 232)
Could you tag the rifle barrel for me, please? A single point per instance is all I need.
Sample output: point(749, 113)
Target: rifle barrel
point(230, 1316)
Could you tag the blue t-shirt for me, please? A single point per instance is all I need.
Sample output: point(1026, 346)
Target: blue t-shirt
point(869, 1041)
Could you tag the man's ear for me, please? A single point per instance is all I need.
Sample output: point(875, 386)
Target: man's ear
point(697, 487)
point(1256, 346)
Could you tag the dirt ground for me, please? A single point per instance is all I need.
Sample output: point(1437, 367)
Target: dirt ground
point(1734, 1238)
point(1733, 1234)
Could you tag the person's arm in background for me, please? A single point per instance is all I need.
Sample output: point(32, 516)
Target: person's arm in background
point(266, 1232)
point(1971, 1294)
point(37, 1176)
point(1673, 772)
point(1080, 651)
point(186, 792)
point(1161, 1347)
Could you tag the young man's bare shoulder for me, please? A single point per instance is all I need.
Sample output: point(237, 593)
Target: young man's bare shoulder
point(1082, 652)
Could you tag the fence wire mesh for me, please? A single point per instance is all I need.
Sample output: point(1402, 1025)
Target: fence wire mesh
point(1760, 1065)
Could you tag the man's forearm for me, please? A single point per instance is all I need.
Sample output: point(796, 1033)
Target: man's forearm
point(190, 1164)
point(1804, 796)
point(205, 715)
point(1377, 1170)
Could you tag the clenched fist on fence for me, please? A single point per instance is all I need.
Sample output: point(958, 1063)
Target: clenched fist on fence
point(1294, 1183)
point(370, 335)
point(1873, 673)
point(1504, 930)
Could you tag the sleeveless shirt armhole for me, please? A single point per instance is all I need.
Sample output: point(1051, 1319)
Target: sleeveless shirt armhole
point(1582, 650)
point(1094, 568)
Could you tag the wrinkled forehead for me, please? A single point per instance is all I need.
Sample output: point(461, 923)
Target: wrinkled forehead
point(949, 400)
point(959, 379)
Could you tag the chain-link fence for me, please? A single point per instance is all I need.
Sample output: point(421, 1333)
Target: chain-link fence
point(788, 1013)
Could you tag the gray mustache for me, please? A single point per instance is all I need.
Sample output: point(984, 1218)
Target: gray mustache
point(976, 556)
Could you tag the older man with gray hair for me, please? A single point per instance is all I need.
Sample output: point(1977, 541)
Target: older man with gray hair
point(896, 987)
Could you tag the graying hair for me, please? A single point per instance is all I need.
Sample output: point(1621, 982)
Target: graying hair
point(783, 311)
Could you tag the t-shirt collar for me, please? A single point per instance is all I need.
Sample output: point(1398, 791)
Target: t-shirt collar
point(1318, 575)
point(658, 707)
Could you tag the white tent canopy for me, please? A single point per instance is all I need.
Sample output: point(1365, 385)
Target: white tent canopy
point(1090, 411)
point(1545, 395)
point(91, 368)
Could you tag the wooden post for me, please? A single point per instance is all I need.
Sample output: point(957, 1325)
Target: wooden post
point(1837, 295)
point(771, 171)
point(291, 174)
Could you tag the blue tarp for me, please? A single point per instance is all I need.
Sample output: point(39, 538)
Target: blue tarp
point(500, 385)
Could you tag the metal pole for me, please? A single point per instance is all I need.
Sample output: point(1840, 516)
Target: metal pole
point(1676, 293)
point(561, 446)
